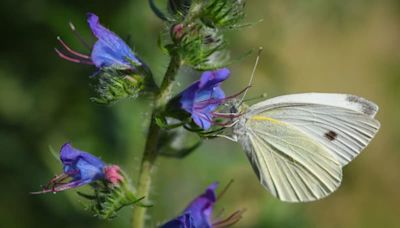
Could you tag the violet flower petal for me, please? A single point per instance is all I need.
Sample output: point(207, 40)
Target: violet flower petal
point(81, 165)
point(212, 78)
point(201, 208)
point(109, 49)
point(198, 213)
point(183, 221)
point(204, 96)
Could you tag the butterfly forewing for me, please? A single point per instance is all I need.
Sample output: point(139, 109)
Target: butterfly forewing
point(345, 101)
point(291, 165)
point(345, 127)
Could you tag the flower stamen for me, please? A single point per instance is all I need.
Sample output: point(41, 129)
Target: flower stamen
point(70, 49)
point(79, 36)
point(230, 220)
point(225, 189)
point(57, 179)
point(219, 101)
point(71, 59)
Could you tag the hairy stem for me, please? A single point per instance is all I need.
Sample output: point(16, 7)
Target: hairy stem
point(150, 151)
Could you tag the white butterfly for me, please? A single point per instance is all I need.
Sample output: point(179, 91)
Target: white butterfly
point(298, 144)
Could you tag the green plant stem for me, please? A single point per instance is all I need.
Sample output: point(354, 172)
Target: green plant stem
point(150, 151)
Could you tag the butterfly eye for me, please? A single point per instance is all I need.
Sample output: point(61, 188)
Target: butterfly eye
point(233, 109)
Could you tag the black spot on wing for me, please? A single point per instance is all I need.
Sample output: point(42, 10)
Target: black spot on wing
point(331, 135)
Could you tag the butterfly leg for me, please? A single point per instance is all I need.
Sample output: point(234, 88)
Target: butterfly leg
point(233, 138)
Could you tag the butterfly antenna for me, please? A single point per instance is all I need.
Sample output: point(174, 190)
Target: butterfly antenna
point(264, 95)
point(260, 49)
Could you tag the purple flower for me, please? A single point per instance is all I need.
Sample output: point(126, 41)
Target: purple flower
point(108, 51)
point(204, 96)
point(198, 214)
point(79, 168)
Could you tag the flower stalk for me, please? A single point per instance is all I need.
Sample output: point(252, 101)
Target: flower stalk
point(150, 152)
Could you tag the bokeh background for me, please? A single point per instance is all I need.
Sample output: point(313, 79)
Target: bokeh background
point(348, 46)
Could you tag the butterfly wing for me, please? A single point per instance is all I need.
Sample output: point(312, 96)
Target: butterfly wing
point(298, 143)
point(291, 165)
point(342, 123)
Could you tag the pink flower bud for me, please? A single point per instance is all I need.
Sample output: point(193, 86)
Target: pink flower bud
point(113, 174)
point(177, 31)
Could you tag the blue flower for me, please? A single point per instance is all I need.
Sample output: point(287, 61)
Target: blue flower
point(204, 96)
point(108, 51)
point(79, 168)
point(198, 214)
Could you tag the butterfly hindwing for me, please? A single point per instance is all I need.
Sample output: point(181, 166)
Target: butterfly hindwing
point(292, 166)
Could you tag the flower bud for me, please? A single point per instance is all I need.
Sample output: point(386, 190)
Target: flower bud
point(113, 85)
point(201, 47)
point(112, 174)
point(177, 31)
point(223, 13)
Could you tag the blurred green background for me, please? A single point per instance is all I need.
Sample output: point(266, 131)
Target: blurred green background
point(348, 46)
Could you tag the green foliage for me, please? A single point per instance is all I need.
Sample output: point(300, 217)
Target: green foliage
point(108, 199)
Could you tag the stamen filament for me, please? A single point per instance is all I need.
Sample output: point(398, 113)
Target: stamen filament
point(56, 178)
point(79, 36)
point(232, 219)
point(218, 101)
point(62, 55)
point(225, 189)
point(70, 50)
